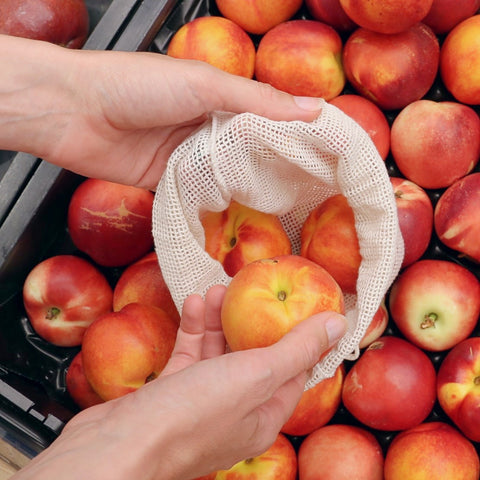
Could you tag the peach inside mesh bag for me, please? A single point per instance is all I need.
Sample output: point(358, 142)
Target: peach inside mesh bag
point(284, 168)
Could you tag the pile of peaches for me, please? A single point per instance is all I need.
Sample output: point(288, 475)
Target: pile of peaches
point(408, 71)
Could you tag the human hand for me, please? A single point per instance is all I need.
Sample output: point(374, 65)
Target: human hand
point(205, 412)
point(119, 115)
point(242, 403)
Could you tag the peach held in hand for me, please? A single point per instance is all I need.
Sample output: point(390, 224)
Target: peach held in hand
point(267, 298)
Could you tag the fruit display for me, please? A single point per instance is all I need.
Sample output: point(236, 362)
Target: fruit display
point(407, 405)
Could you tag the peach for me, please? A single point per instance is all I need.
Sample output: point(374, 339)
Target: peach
point(431, 450)
point(62, 296)
point(267, 298)
point(63, 22)
point(377, 326)
point(340, 452)
point(110, 222)
point(123, 350)
point(392, 375)
point(217, 41)
point(435, 303)
point(239, 235)
point(279, 462)
point(302, 57)
point(457, 386)
point(317, 405)
point(331, 13)
point(369, 116)
point(457, 216)
point(415, 218)
point(435, 143)
point(329, 238)
point(143, 282)
point(392, 70)
point(258, 16)
point(460, 61)
point(446, 14)
point(386, 16)
point(77, 384)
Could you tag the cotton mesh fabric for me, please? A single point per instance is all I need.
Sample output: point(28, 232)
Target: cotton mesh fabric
point(283, 168)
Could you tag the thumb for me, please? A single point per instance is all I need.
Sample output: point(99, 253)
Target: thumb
point(238, 95)
point(301, 348)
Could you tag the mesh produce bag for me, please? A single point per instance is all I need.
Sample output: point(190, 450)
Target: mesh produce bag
point(283, 168)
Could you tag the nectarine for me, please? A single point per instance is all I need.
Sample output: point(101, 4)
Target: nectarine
point(302, 57)
point(217, 41)
point(267, 298)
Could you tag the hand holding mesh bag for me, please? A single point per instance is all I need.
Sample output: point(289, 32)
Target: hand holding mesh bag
point(283, 168)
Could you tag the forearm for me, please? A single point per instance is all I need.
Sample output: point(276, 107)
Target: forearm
point(36, 93)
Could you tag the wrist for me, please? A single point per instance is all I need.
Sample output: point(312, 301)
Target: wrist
point(36, 93)
point(150, 439)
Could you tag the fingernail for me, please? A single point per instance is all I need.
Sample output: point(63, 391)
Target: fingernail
point(335, 327)
point(309, 103)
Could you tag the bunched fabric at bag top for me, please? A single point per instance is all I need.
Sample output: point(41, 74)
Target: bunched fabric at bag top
point(284, 168)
